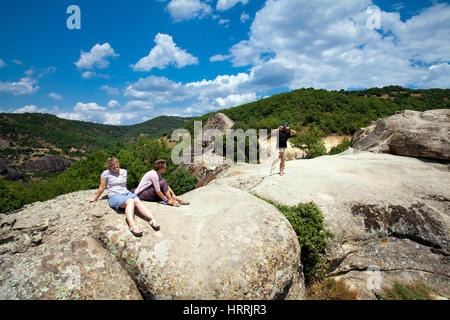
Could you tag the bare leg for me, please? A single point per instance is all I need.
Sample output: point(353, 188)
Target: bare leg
point(143, 209)
point(129, 211)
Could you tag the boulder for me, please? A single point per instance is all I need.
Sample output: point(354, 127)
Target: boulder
point(48, 163)
point(227, 244)
point(206, 164)
point(49, 250)
point(389, 214)
point(409, 133)
point(8, 170)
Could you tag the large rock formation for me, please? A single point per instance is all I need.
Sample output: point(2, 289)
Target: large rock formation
point(226, 245)
point(48, 250)
point(51, 164)
point(206, 164)
point(213, 249)
point(8, 170)
point(409, 133)
point(389, 214)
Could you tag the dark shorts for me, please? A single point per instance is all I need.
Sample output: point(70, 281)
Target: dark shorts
point(149, 194)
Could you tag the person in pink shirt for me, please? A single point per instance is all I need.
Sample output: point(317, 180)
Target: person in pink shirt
point(154, 188)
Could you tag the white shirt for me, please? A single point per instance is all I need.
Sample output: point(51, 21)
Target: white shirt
point(115, 183)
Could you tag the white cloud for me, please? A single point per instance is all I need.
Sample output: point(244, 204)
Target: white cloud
point(188, 9)
point(223, 5)
point(18, 62)
point(244, 17)
point(25, 85)
point(438, 76)
point(236, 99)
point(110, 90)
point(55, 96)
point(195, 97)
point(97, 57)
point(71, 116)
point(224, 22)
point(327, 44)
point(31, 109)
point(94, 113)
point(90, 74)
point(165, 53)
point(2, 63)
point(113, 104)
point(219, 57)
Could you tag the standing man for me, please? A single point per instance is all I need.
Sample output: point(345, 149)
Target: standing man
point(283, 134)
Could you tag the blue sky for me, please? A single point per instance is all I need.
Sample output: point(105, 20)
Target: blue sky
point(134, 60)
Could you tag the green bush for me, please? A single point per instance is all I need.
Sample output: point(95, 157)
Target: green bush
point(308, 223)
point(181, 181)
point(311, 142)
point(340, 147)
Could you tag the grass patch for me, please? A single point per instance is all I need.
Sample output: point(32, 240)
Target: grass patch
point(308, 223)
point(401, 291)
point(331, 289)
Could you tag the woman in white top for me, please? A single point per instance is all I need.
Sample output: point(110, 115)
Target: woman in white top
point(115, 180)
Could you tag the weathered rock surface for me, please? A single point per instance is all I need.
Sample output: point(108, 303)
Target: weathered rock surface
point(8, 170)
point(387, 213)
point(200, 159)
point(49, 250)
point(409, 133)
point(48, 163)
point(227, 244)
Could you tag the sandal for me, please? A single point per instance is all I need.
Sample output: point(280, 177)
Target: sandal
point(154, 224)
point(184, 203)
point(136, 231)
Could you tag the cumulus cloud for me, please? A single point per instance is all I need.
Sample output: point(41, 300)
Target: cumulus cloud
point(223, 5)
point(188, 9)
point(25, 85)
point(93, 112)
point(165, 53)
point(55, 96)
point(197, 97)
point(96, 58)
point(244, 17)
point(333, 48)
point(18, 62)
point(2, 63)
point(113, 104)
point(31, 109)
point(110, 90)
point(219, 57)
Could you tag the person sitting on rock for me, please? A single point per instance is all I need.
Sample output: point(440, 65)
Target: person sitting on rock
point(154, 188)
point(115, 180)
point(284, 133)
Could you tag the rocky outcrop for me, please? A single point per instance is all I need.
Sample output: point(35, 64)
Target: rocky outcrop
point(49, 251)
point(8, 170)
point(47, 163)
point(408, 133)
point(214, 248)
point(389, 214)
point(206, 164)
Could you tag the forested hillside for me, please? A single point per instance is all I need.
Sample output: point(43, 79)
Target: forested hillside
point(21, 134)
point(340, 112)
